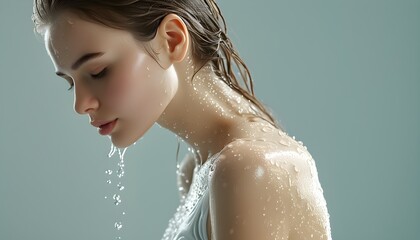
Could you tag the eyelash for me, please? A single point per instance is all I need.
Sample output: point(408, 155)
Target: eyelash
point(101, 74)
point(96, 76)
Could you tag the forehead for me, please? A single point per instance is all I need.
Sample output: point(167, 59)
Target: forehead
point(69, 36)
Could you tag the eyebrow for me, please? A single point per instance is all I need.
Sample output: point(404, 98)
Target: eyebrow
point(86, 57)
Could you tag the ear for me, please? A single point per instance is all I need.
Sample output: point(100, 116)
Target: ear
point(173, 40)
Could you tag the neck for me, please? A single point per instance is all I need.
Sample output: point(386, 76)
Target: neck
point(205, 113)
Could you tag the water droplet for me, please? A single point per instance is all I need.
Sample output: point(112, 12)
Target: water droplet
point(296, 169)
point(118, 225)
point(259, 172)
point(117, 199)
point(108, 181)
point(231, 231)
point(299, 149)
point(266, 129)
point(284, 142)
point(120, 186)
point(120, 172)
point(281, 133)
point(109, 172)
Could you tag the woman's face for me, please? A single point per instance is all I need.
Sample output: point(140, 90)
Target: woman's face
point(119, 81)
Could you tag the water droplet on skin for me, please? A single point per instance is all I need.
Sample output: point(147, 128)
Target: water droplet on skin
point(259, 172)
point(299, 149)
point(266, 129)
point(231, 231)
point(296, 169)
point(284, 142)
point(281, 133)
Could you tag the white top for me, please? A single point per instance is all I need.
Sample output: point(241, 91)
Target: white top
point(190, 219)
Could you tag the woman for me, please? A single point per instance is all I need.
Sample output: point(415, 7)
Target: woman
point(133, 63)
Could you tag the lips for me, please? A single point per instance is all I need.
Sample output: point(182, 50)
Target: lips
point(100, 123)
point(104, 127)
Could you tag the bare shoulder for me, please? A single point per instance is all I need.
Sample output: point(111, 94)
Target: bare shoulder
point(270, 187)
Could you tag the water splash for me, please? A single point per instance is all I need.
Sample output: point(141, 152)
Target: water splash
point(117, 199)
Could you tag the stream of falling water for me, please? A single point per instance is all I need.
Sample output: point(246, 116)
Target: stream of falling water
point(116, 197)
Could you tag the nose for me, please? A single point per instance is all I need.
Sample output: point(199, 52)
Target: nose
point(84, 100)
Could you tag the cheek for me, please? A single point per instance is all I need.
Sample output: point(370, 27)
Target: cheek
point(134, 83)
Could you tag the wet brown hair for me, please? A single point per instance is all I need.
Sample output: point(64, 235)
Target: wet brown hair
point(203, 18)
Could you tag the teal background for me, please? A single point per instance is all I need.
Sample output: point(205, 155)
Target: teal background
point(341, 76)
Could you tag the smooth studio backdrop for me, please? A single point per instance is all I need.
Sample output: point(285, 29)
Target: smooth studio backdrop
point(341, 76)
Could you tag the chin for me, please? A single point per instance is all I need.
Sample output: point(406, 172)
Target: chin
point(122, 141)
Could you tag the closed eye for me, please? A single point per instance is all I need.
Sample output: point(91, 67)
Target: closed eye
point(100, 74)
